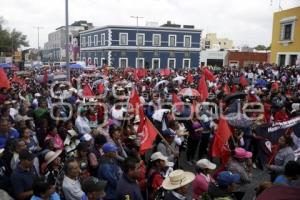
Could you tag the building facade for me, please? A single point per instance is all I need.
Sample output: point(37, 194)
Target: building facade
point(212, 42)
point(213, 58)
point(54, 48)
point(285, 45)
point(150, 47)
point(243, 59)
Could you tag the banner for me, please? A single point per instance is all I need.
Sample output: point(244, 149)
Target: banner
point(274, 131)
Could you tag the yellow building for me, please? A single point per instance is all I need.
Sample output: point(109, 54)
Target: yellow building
point(212, 42)
point(285, 45)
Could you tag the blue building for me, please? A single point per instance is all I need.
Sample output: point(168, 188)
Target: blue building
point(150, 47)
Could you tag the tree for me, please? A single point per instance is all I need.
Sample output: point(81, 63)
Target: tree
point(260, 47)
point(11, 40)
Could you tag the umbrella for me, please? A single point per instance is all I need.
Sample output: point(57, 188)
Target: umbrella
point(238, 120)
point(75, 66)
point(189, 92)
point(5, 65)
point(238, 95)
point(280, 192)
point(179, 78)
point(60, 77)
point(161, 82)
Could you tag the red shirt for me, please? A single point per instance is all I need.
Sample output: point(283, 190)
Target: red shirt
point(281, 116)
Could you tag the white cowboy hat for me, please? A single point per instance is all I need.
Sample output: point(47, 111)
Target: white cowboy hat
point(206, 164)
point(51, 155)
point(177, 179)
point(159, 156)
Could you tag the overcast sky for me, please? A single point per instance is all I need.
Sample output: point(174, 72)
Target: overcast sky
point(243, 21)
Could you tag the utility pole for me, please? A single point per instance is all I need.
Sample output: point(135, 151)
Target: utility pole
point(137, 31)
point(38, 31)
point(67, 40)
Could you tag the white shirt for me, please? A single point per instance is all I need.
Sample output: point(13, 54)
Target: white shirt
point(82, 125)
point(72, 189)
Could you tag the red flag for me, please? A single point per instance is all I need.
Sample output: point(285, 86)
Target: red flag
point(140, 73)
point(209, 75)
point(149, 136)
point(4, 82)
point(202, 89)
point(101, 88)
point(165, 72)
point(275, 86)
point(222, 135)
point(87, 91)
point(190, 78)
point(45, 78)
point(243, 81)
point(142, 119)
point(233, 89)
point(177, 102)
point(134, 99)
point(226, 89)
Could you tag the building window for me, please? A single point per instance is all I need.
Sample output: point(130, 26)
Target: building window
point(139, 62)
point(103, 61)
point(89, 40)
point(95, 40)
point(186, 63)
point(90, 61)
point(287, 28)
point(207, 44)
point(123, 62)
point(156, 41)
point(140, 39)
point(286, 31)
point(172, 40)
point(96, 61)
point(172, 63)
point(187, 40)
point(155, 63)
point(83, 41)
point(123, 39)
point(281, 60)
point(224, 43)
point(103, 39)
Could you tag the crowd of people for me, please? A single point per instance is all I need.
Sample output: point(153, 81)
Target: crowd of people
point(132, 134)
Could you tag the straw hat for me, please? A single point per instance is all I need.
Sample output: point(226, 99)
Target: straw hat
point(51, 155)
point(177, 179)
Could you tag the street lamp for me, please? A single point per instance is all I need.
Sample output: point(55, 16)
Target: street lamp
point(67, 40)
point(137, 31)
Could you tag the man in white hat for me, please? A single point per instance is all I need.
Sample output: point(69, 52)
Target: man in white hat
point(160, 168)
point(177, 184)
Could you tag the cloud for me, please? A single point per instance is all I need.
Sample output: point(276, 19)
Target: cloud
point(244, 21)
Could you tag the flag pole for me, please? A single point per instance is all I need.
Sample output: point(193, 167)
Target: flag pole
point(162, 137)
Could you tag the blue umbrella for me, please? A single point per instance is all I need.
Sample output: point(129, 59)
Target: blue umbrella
point(5, 65)
point(75, 66)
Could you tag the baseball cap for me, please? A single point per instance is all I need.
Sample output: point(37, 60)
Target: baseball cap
point(159, 156)
point(26, 155)
point(93, 184)
point(206, 164)
point(227, 178)
point(109, 147)
point(169, 133)
point(242, 153)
